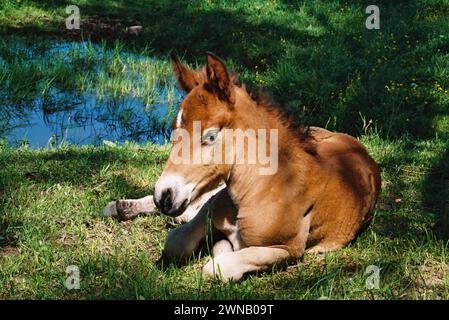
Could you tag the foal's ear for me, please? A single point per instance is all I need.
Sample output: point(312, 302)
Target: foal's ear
point(187, 78)
point(219, 79)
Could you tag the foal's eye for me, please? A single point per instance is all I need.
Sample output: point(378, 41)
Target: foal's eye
point(210, 136)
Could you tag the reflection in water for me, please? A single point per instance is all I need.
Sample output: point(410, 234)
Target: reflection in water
point(56, 115)
point(84, 119)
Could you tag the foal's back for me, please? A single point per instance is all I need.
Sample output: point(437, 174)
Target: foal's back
point(350, 182)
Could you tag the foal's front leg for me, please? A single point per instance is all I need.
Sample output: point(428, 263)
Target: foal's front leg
point(127, 209)
point(184, 240)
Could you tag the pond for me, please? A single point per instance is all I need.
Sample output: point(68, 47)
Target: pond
point(57, 93)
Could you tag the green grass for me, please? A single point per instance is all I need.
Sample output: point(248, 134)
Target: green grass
point(389, 87)
point(50, 218)
point(106, 72)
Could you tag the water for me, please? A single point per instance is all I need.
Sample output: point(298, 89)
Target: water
point(143, 112)
point(86, 120)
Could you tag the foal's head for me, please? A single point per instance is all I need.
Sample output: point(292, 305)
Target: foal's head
point(195, 163)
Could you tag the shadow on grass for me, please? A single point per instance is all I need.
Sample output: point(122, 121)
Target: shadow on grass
point(8, 241)
point(387, 222)
point(415, 198)
point(79, 167)
point(435, 192)
point(172, 25)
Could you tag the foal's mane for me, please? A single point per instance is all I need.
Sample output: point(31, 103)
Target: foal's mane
point(266, 100)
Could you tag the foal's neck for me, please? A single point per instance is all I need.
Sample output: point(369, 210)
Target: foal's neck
point(244, 181)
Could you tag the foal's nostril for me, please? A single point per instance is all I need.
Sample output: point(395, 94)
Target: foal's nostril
point(166, 202)
point(170, 201)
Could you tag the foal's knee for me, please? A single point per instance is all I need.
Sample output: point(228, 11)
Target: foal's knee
point(178, 246)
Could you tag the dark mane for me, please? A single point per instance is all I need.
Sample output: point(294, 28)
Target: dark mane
point(265, 99)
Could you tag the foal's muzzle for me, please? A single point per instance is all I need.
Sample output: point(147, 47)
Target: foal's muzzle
point(172, 194)
point(165, 202)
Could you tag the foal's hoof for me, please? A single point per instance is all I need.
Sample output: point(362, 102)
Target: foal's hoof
point(219, 269)
point(111, 210)
point(121, 210)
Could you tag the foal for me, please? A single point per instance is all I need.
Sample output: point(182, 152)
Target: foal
point(322, 192)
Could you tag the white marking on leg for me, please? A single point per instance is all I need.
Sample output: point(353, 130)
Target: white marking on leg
point(227, 267)
point(222, 247)
point(146, 204)
point(232, 266)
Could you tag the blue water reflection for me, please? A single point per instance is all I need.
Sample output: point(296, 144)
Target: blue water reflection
point(88, 117)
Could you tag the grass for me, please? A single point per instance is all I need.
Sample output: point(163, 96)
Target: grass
point(85, 66)
point(51, 202)
point(389, 87)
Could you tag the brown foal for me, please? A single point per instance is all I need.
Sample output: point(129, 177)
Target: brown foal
point(321, 193)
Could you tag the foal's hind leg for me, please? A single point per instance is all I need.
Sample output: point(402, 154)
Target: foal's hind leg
point(325, 247)
point(221, 247)
point(232, 266)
